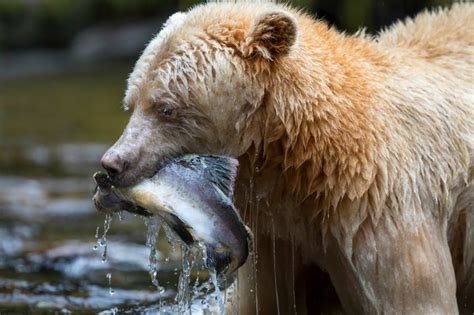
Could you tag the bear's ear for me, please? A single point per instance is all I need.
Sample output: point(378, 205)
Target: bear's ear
point(272, 35)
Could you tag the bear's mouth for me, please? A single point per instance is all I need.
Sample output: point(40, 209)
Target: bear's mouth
point(193, 195)
point(144, 170)
point(132, 176)
point(126, 179)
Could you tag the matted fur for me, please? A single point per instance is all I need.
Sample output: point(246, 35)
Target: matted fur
point(357, 152)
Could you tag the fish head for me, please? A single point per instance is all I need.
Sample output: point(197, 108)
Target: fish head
point(107, 199)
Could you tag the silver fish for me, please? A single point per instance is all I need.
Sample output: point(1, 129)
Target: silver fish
point(193, 194)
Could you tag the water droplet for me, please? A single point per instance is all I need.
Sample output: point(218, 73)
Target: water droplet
point(104, 254)
point(153, 224)
point(217, 294)
point(109, 279)
point(184, 296)
point(102, 241)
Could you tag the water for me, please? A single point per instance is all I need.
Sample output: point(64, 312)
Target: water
point(102, 241)
point(198, 284)
point(52, 135)
point(57, 254)
point(109, 279)
point(217, 294)
point(184, 296)
point(153, 229)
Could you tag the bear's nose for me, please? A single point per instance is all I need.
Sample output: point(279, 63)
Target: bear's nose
point(113, 163)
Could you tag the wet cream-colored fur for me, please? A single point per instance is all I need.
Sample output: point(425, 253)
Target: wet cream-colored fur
point(356, 152)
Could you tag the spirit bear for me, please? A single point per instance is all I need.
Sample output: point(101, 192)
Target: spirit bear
point(356, 152)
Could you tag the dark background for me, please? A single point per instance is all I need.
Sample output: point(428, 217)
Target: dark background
point(26, 24)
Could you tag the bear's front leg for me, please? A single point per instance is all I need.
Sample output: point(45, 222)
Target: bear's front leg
point(394, 267)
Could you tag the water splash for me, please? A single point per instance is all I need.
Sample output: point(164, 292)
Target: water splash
point(184, 296)
point(173, 240)
point(197, 282)
point(217, 294)
point(154, 225)
point(102, 241)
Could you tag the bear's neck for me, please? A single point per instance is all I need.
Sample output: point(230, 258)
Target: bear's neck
point(322, 125)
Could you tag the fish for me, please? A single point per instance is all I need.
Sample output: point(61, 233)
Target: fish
point(193, 194)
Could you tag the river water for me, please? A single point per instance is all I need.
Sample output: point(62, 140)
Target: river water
point(53, 131)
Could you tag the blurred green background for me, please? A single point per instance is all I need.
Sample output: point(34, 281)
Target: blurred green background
point(63, 63)
point(63, 67)
point(53, 23)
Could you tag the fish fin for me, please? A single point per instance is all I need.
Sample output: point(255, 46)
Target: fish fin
point(222, 171)
point(219, 170)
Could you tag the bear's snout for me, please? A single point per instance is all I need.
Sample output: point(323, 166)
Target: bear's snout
point(114, 163)
point(131, 160)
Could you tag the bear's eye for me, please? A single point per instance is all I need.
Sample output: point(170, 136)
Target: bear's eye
point(166, 110)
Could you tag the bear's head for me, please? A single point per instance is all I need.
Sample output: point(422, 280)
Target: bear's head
point(200, 86)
